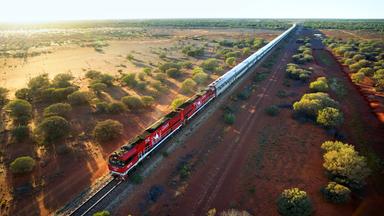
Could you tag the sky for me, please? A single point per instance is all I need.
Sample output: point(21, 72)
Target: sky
point(61, 10)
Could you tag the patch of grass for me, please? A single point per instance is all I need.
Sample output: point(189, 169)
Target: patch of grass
point(184, 171)
point(338, 87)
point(260, 77)
point(229, 118)
point(324, 58)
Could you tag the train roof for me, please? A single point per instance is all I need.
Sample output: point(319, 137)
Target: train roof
point(157, 124)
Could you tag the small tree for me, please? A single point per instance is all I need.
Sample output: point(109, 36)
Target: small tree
point(102, 107)
point(22, 165)
point(78, 98)
point(24, 94)
point(188, 86)
point(173, 72)
point(106, 79)
point(294, 202)
point(92, 74)
point(20, 110)
point(320, 85)
point(210, 64)
point(58, 109)
point(200, 78)
point(336, 193)
point(161, 77)
point(148, 101)
point(107, 130)
point(229, 118)
point(330, 117)
point(20, 133)
point(54, 128)
point(132, 102)
point(62, 80)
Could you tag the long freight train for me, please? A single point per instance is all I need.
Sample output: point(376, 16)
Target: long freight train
point(129, 155)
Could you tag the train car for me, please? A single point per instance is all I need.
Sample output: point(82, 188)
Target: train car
point(128, 156)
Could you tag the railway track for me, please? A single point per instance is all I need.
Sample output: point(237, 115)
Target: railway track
point(96, 198)
point(90, 204)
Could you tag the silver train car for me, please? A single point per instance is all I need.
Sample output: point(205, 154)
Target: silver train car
point(223, 82)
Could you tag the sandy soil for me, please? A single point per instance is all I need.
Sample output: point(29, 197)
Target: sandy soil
point(248, 164)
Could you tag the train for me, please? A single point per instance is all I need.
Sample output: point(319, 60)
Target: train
point(128, 156)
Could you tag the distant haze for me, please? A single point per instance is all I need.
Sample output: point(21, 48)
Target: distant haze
point(56, 10)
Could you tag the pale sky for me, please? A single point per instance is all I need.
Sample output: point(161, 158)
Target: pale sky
point(57, 10)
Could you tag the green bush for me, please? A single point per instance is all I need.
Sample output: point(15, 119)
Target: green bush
point(336, 193)
point(161, 77)
point(330, 117)
point(173, 72)
point(56, 94)
point(62, 80)
point(22, 165)
point(188, 86)
point(102, 213)
point(130, 80)
point(106, 79)
point(58, 109)
point(294, 202)
point(38, 83)
point(344, 164)
point(92, 74)
point(132, 102)
point(160, 87)
point(168, 65)
point(54, 128)
point(102, 107)
point(147, 71)
point(98, 87)
point(358, 77)
point(24, 94)
point(295, 72)
point(177, 102)
point(311, 103)
point(231, 61)
point(116, 107)
point(320, 85)
point(20, 133)
point(210, 64)
point(20, 111)
point(272, 110)
point(229, 118)
point(200, 78)
point(148, 101)
point(3, 96)
point(78, 98)
point(107, 130)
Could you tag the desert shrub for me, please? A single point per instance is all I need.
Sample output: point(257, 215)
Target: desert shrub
point(173, 72)
point(295, 72)
point(272, 110)
point(200, 78)
point(344, 164)
point(210, 64)
point(193, 51)
point(320, 85)
point(294, 202)
point(188, 86)
point(102, 213)
point(366, 71)
point(107, 130)
point(168, 65)
point(54, 128)
point(116, 107)
point(106, 79)
point(197, 70)
point(58, 109)
point(229, 118)
point(92, 74)
point(3, 96)
point(358, 77)
point(102, 107)
point(330, 117)
point(23, 164)
point(187, 64)
point(161, 77)
point(62, 80)
point(78, 98)
point(141, 76)
point(234, 212)
point(98, 87)
point(24, 93)
point(148, 101)
point(147, 71)
point(20, 111)
point(231, 61)
point(311, 103)
point(177, 102)
point(20, 132)
point(56, 94)
point(130, 80)
point(141, 86)
point(132, 102)
point(336, 193)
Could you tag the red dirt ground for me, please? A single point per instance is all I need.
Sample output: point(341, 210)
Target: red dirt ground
point(248, 164)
